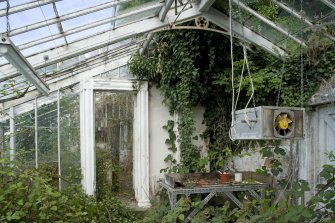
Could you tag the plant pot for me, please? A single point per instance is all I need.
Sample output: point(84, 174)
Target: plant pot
point(225, 177)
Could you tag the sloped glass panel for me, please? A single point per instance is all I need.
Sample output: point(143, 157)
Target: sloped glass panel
point(137, 17)
point(313, 10)
point(65, 7)
point(133, 5)
point(89, 18)
point(68, 63)
point(18, 2)
point(88, 32)
point(3, 60)
point(69, 137)
point(25, 136)
point(259, 27)
point(13, 87)
point(31, 16)
point(3, 28)
point(3, 4)
point(43, 46)
point(112, 74)
point(124, 72)
point(34, 35)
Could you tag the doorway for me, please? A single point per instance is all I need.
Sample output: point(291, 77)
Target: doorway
point(114, 117)
point(89, 127)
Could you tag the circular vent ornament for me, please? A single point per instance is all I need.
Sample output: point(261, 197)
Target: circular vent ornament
point(201, 22)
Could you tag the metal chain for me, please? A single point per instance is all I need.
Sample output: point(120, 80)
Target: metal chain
point(281, 81)
point(7, 17)
point(301, 67)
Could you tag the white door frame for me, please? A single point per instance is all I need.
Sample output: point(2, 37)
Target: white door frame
point(140, 140)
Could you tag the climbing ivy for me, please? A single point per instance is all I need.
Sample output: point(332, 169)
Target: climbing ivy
point(193, 67)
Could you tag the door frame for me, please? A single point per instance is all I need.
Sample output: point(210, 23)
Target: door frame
point(140, 138)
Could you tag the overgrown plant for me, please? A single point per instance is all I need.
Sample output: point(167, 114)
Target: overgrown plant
point(191, 68)
point(320, 208)
point(28, 196)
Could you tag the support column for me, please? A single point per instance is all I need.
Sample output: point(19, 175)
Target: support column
point(87, 135)
point(142, 146)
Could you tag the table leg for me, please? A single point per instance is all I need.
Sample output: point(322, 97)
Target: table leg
point(233, 198)
point(201, 205)
point(254, 194)
point(172, 199)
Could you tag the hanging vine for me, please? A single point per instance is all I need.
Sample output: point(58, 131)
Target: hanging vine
point(192, 67)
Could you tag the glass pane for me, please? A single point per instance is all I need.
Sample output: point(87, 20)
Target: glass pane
point(65, 7)
point(259, 27)
point(31, 16)
point(47, 140)
point(112, 74)
point(13, 87)
point(88, 32)
point(4, 134)
point(88, 18)
point(25, 137)
point(133, 5)
point(137, 17)
point(43, 46)
point(27, 37)
point(313, 10)
point(114, 113)
point(69, 137)
point(13, 3)
point(124, 73)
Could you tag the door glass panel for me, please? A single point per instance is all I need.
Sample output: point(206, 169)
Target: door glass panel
point(114, 114)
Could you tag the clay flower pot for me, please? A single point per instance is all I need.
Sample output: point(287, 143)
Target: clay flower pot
point(225, 177)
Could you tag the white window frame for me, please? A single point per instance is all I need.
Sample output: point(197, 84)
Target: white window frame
point(140, 140)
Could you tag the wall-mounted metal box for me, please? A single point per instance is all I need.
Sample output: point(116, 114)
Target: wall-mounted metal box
point(268, 122)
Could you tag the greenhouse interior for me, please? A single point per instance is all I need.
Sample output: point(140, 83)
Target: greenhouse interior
point(167, 111)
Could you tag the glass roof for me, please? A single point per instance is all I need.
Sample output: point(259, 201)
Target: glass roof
point(77, 30)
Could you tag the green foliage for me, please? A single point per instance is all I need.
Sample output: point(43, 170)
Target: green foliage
point(26, 195)
point(320, 208)
point(162, 213)
point(266, 8)
point(190, 68)
point(273, 154)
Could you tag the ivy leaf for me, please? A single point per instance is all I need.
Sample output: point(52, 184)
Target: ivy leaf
point(280, 151)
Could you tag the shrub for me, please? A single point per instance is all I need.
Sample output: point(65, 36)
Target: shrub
point(29, 196)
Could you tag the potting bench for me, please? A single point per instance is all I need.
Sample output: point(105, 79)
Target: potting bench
point(211, 190)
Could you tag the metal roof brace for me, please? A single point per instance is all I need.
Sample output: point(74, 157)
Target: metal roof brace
point(14, 56)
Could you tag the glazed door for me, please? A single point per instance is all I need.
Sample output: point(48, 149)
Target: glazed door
point(114, 117)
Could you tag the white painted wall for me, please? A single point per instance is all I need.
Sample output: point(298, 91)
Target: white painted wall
point(158, 116)
point(158, 150)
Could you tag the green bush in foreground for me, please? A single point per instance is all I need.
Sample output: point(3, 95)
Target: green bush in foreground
point(28, 196)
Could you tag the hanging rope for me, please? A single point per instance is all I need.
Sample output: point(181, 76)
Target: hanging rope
point(7, 18)
point(240, 84)
point(252, 87)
